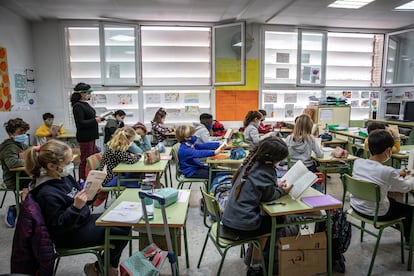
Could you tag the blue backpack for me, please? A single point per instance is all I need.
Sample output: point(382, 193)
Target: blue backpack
point(220, 189)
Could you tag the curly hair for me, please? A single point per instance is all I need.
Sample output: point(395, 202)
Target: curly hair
point(14, 124)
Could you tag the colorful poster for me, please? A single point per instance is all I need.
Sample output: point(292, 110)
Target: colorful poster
point(5, 97)
point(191, 98)
point(171, 97)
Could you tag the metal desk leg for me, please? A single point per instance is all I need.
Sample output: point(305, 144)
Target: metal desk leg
point(272, 246)
point(169, 170)
point(411, 247)
point(175, 246)
point(187, 261)
point(329, 234)
point(106, 250)
point(210, 175)
point(17, 194)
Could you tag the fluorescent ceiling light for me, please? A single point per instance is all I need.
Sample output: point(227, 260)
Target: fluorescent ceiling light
point(349, 4)
point(122, 38)
point(406, 6)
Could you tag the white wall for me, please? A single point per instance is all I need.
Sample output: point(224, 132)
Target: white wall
point(16, 37)
point(48, 52)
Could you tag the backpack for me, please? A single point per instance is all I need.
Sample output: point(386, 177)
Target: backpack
point(341, 230)
point(218, 128)
point(220, 189)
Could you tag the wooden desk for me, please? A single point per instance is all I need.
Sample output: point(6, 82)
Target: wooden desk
point(139, 167)
point(327, 161)
point(298, 207)
point(176, 213)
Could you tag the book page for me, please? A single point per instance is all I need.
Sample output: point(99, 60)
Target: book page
point(94, 182)
point(107, 114)
point(300, 177)
point(302, 184)
point(228, 134)
point(126, 211)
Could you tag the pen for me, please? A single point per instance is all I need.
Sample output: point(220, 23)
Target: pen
point(276, 203)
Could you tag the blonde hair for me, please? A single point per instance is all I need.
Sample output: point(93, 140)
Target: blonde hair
point(303, 128)
point(182, 133)
point(122, 138)
point(36, 158)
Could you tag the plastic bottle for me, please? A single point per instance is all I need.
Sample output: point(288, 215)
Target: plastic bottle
point(149, 203)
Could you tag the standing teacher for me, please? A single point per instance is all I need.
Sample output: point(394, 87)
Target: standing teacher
point(86, 123)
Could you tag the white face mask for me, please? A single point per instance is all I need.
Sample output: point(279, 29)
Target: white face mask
point(387, 157)
point(67, 170)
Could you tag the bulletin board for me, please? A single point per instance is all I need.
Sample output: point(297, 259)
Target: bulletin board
point(5, 96)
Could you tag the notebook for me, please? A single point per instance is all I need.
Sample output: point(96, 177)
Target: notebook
point(320, 201)
point(126, 211)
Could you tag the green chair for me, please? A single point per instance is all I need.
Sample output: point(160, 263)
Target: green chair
point(92, 163)
point(5, 189)
point(213, 233)
point(95, 250)
point(181, 179)
point(370, 192)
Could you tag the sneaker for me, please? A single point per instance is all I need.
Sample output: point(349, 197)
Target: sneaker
point(10, 217)
point(255, 271)
point(90, 269)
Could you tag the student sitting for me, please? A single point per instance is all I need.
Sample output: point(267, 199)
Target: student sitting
point(393, 131)
point(301, 143)
point(47, 129)
point(117, 153)
point(253, 183)
point(203, 129)
point(142, 142)
point(251, 123)
point(380, 144)
point(11, 153)
point(190, 152)
point(158, 128)
point(112, 124)
point(263, 128)
point(63, 203)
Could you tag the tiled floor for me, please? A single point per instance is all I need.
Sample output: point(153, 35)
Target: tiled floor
point(357, 257)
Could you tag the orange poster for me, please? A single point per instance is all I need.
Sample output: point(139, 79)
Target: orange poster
point(5, 97)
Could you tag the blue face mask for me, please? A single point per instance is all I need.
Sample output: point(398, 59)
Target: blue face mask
point(21, 138)
point(193, 139)
point(210, 126)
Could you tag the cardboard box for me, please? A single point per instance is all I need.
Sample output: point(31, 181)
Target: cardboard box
point(159, 240)
point(302, 255)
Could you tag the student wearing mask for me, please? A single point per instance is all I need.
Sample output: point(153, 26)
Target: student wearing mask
point(189, 152)
point(64, 204)
point(203, 128)
point(112, 124)
point(11, 156)
point(142, 142)
point(251, 123)
point(380, 143)
point(86, 123)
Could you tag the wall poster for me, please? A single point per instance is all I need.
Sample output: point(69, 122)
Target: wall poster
point(5, 97)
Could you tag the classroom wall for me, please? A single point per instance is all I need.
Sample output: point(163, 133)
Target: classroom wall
point(16, 37)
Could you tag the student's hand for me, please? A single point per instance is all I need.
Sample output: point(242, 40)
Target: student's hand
point(99, 119)
point(394, 131)
point(403, 172)
point(80, 199)
point(220, 148)
point(285, 186)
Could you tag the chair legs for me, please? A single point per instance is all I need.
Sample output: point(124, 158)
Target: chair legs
point(362, 231)
point(204, 247)
point(4, 197)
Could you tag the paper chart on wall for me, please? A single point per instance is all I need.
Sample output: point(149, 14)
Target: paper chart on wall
point(271, 98)
point(282, 73)
point(289, 110)
point(153, 98)
point(171, 97)
point(191, 98)
point(282, 57)
point(291, 98)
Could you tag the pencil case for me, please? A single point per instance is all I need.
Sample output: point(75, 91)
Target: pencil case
point(170, 195)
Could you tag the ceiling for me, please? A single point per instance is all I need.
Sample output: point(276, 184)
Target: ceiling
point(377, 15)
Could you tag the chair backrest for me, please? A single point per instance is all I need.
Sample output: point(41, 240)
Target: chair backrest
point(33, 249)
point(211, 204)
point(362, 189)
point(174, 153)
point(93, 162)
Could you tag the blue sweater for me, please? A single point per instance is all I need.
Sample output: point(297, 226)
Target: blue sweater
point(188, 156)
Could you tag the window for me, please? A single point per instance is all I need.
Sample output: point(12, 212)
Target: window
point(175, 56)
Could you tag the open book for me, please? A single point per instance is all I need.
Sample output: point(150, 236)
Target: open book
point(56, 128)
point(410, 165)
point(94, 182)
point(228, 134)
point(106, 114)
point(126, 211)
point(300, 177)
